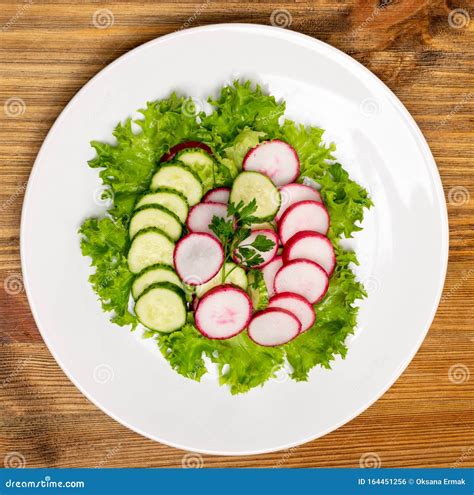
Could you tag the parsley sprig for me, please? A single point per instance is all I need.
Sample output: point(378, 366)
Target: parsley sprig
point(234, 230)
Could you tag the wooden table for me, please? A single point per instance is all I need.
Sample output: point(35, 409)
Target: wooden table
point(423, 50)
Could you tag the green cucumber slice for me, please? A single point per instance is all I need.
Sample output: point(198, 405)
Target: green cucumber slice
point(263, 226)
point(257, 290)
point(169, 198)
point(149, 247)
point(250, 186)
point(181, 178)
point(235, 275)
point(152, 275)
point(200, 162)
point(162, 307)
point(155, 216)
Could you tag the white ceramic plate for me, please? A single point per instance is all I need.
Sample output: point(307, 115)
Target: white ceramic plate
point(402, 249)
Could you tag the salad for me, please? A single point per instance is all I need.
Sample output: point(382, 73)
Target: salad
point(223, 237)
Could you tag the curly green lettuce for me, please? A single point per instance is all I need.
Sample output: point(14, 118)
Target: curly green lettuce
point(243, 116)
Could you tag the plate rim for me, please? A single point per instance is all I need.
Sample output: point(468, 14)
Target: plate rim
point(415, 131)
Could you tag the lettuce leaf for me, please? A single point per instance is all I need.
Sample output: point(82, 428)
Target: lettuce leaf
point(241, 364)
point(245, 141)
point(241, 106)
point(105, 241)
point(128, 165)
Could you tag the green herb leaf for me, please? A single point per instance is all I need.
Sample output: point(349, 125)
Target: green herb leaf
point(262, 243)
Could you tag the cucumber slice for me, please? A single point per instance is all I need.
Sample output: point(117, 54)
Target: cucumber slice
point(253, 185)
point(162, 307)
point(236, 276)
point(169, 198)
point(257, 290)
point(149, 247)
point(181, 178)
point(200, 162)
point(156, 216)
point(263, 226)
point(152, 275)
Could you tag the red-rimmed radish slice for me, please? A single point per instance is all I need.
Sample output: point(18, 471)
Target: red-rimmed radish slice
point(218, 195)
point(269, 271)
point(296, 305)
point(294, 193)
point(223, 312)
point(273, 326)
point(305, 215)
point(183, 146)
point(200, 216)
point(275, 159)
point(302, 277)
point(311, 246)
point(266, 255)
point(197, 258)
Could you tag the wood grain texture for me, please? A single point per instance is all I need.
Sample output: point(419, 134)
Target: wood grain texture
point(423, 50)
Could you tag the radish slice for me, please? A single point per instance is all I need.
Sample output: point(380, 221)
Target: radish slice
point(296, 305)
point(223, 312)
point(294, 193)
point(200, 216)
point(273, 326)
point(266, 255)
point(302, 277)
point(275, 159)
point(305, 215)
point(311, 246)
point(197, 258)
point(182, 146)
point(218, 195)
point(269, 271)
